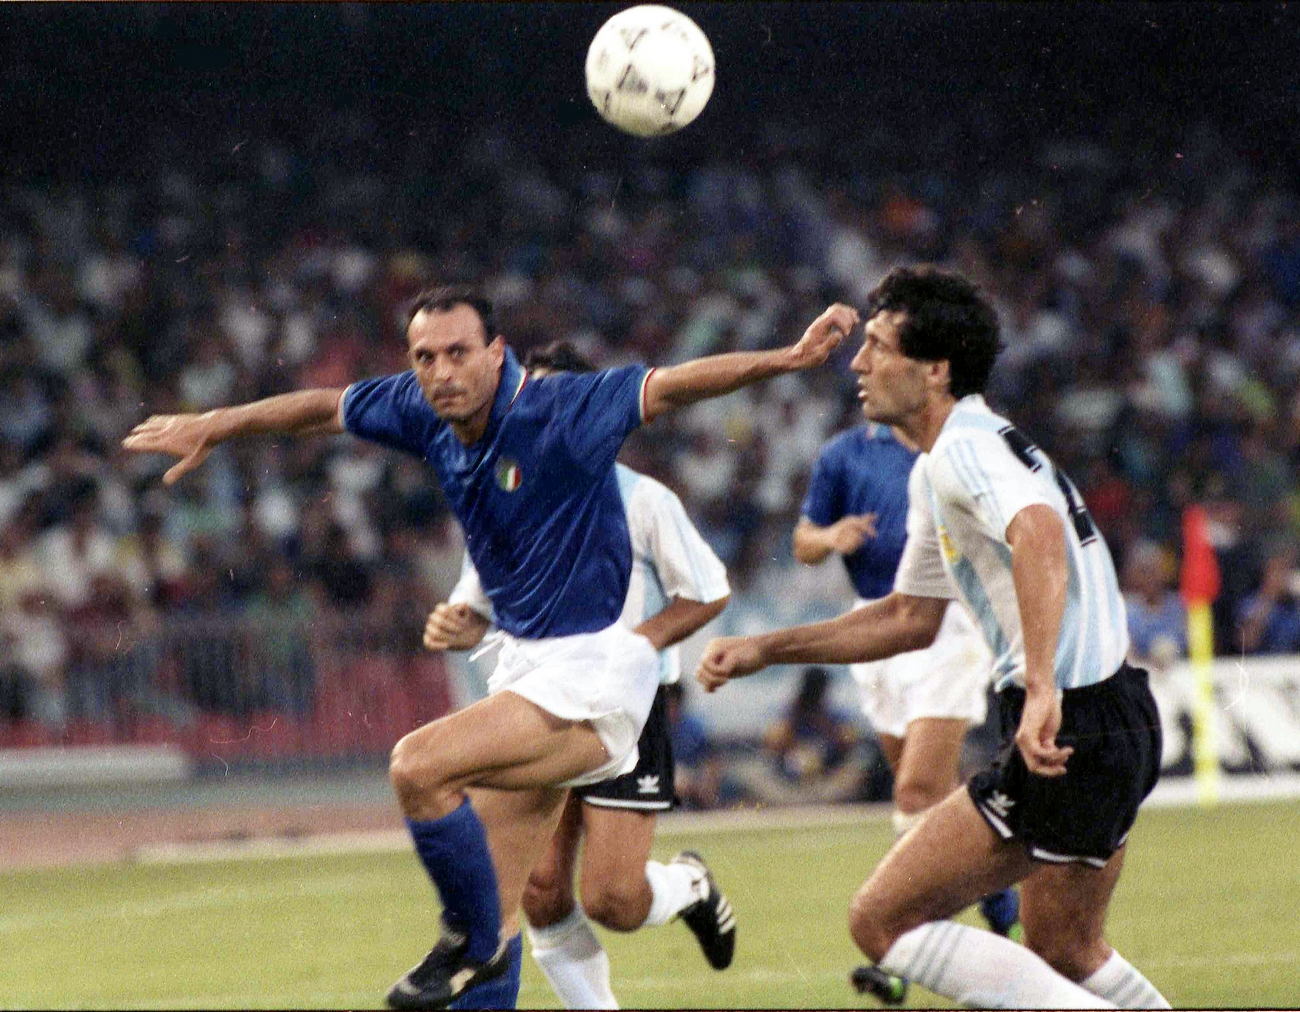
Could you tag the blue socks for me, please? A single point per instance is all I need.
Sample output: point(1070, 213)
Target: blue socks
point(501, 992)
point(1001, 910)
point(454, 851)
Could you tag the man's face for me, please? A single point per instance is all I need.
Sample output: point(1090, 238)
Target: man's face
point(891, 386)
point(457, 367)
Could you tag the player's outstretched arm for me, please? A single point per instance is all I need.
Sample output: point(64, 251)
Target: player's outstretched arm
point(680, 619)
point(678, 385)
point(893, 625)
point(454, 627)
point(192, 436)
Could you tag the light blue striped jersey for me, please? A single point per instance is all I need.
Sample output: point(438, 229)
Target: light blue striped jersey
point(669, 559)
point(979, 474)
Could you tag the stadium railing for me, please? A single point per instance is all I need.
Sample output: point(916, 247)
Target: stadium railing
point(245, 690)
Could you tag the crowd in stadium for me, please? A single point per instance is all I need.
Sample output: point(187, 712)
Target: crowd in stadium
point(1149, 303)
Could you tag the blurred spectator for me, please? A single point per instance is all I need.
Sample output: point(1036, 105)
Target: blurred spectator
point(283, 673)
point(1157, 621)
point(1269, 620)
point(39, 645)
point(809, 753)
point(114, 654)
point(346, 579)
point(697, 767)
point(75, 552)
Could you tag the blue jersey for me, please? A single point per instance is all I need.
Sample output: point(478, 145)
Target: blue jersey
point(861, 471)
point(536, 495)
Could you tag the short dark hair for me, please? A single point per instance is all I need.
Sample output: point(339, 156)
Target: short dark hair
point(441, 298)
point(558, 356)
point(947, 319)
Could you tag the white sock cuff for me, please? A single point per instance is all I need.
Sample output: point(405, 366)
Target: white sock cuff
point(1119, 981)
point(672, 889)
point(554, 936)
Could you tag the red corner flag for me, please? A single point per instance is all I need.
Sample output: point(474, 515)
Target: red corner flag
point(1199, 579)
point(1200, 586)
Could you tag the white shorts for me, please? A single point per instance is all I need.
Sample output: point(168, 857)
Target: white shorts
point(948, 679)
point(608, 678)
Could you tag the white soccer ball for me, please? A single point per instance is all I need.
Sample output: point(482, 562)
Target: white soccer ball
point(649, 70)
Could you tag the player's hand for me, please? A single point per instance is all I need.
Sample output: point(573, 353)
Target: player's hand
point(1036, 736)
point(823, 335)
point(189, 437)
point(848, 534)
point(727, 658)
point(454, 627)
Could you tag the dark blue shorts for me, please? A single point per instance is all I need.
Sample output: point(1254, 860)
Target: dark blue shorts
point(1084, 816)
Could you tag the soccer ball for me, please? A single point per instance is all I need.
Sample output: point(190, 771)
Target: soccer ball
point(649, 70)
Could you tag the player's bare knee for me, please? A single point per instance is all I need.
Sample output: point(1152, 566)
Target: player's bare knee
point(1071, 955)
point(616, 904)
point(411, 771)
point(914, 796)
point(545, 900)
point(872, 931)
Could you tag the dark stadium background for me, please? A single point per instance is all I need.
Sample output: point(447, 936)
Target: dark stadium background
point(96, 90)
point(223, 156)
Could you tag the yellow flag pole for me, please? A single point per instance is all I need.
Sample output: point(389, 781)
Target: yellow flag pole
point(1205, 745)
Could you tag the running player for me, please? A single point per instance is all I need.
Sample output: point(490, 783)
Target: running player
point(993, 521)
point(677, 586)
point(529, 471)
point(920, 703)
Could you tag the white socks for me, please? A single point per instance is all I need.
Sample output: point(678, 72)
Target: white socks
point(1120, 982)
point(571, 958)
point(982, 970)
point(674, 888)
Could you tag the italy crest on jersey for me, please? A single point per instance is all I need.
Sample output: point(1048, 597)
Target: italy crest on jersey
point(508, 475)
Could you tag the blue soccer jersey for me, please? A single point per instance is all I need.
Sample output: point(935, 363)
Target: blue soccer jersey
point(863, 471)
point(536, 495)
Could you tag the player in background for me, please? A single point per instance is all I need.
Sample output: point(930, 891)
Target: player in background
point(678, 585)
point(529, 471)
point(922, 702)
point(991, 519)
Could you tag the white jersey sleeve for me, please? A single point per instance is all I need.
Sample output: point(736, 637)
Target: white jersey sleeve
point(982, 472)
point(469, 590)
point(920, 570)
point(683, 561)
point(669, 558)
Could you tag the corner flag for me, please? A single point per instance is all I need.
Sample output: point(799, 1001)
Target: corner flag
point(1199, 583)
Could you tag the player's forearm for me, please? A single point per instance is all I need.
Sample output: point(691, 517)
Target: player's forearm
point(883, 628)
point(1039, 571)
point(680, 619)
point(676, 386)
point(301, 413)
point(812, 544)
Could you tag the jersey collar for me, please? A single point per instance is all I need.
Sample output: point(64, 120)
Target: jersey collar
point(513, 378)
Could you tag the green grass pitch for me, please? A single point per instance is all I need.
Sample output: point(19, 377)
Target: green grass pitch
point(1206, 908)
